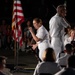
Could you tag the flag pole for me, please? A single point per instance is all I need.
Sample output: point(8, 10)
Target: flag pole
point(13, 33)
point(17, 20)
point(15, 42)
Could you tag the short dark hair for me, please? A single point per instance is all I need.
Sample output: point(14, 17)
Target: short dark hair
point(71, 61)
point(68, 47)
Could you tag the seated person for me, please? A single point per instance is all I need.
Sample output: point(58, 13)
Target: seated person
point(63, 59)
point(71, 37)
point(67, 34)
point(3, 70)
point(70, 69)
point(48, 64)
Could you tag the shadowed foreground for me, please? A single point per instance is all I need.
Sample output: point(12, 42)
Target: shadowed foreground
point(23, 65)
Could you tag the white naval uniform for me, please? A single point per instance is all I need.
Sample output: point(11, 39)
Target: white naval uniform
point(56, 26)
point(46, 67)
point(63, 60)
point(68, 40)
point(43, 44)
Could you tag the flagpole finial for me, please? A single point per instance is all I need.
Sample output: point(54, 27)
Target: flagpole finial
point(65, 3)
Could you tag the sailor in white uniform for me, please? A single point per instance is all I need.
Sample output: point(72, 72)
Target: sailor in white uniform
point(56, 25)
point(41, 37)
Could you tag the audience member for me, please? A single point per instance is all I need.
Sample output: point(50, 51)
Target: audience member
point(48, 65)
point(27, 34)
point(41, 37)
point(70, 70)
point(3, 69)
point(3, 30)
point(67, 32)
point(71, 37)
point(63, 59)
point(57, 24)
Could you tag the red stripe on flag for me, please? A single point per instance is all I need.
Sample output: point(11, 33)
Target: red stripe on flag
point(18, 16)
point(18, 23)
point(17, 20)
point(18, 10)
point(17, 4)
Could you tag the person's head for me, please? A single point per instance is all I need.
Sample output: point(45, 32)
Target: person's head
point(68, 48)
point(28, 23)
point(71, 61)
point(61, 10)
point(49, 55)
point(37, 23)
point(72, 33)
point(2, 62)
point(67, 30)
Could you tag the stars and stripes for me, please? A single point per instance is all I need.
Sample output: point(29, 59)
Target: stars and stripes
point(17, 20)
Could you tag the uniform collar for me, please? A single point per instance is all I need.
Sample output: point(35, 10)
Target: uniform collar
point(39, 28)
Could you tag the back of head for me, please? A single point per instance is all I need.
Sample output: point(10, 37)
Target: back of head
point(71, 65)
point(2, 58)
point(49, 55)
point(69, 48)
point(2, 61)
point(71, 61)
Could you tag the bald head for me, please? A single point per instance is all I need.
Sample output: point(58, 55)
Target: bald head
point(61, 10)
point(60, 7)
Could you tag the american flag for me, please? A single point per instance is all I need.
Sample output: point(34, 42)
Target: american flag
point(17, 20)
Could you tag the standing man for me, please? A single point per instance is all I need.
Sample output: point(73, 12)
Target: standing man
point(41, 38)
point(56, 25)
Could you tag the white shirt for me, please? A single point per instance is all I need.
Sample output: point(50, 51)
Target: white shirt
point(66, 36)
point(68, 41)
point(46, 67)
point(56, 26)
point(43, 44)
point(63, 60)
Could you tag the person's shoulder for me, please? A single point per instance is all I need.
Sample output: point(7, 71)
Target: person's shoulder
point(60, 72)
point(62, 57)
point(54, 64)
point(68, 71)
point(55, 17)
point(44, 63)
point(40, 64)
point(1, 73)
